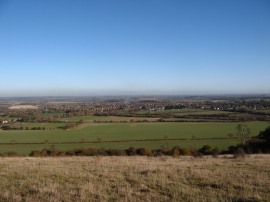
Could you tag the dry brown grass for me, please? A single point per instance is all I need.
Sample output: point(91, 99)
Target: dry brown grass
point(135, 179)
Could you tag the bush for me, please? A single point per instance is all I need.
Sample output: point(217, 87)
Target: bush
point(35, 153)
point(11, 153)
point(175, 151)
point(70, 153)
point(102, 152)
point(116, 152)
point(215, 152)
point(6, 128)
point(131, 151)
point(45, 152)
point(161, 152)
point(144, 152)
point(239, 153)
point(205, 150)
point(232, 149)
point(56, 152)
point(86, 152)
point(185, 152)
point(265, 135)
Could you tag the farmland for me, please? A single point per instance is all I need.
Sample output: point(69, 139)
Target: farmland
point(114, 123)
point(136, 151)
point(124, 135)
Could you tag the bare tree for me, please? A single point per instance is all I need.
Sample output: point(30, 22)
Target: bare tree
point(242, 133)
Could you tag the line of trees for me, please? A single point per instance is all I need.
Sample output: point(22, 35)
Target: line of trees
point(132, 151)
point(7, 127)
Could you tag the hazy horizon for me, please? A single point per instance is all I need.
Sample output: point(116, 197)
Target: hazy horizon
point(134, 94)
point(155, 47)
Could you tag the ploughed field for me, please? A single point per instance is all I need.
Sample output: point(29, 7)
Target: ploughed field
point(135, 179)
point(104, 132)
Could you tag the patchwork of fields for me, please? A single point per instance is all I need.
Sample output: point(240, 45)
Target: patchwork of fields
point(122, 135)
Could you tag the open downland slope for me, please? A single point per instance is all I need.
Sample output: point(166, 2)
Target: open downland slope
point(135, 179)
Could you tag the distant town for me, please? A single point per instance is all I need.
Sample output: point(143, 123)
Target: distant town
point(253, 107)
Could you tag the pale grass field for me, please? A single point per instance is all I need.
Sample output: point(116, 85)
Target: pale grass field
point(135, 179)
point(23, 107)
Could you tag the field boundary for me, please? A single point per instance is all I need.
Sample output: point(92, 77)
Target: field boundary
point(112, 141)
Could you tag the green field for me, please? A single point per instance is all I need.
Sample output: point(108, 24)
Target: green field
point(184, 111)
point(267, 111)
point(151, 135)
point(92, 119)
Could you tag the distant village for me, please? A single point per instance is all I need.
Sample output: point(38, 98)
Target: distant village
point(10, 110)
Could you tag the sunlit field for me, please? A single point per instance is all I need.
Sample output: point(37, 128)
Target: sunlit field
point(135, 179)
point(124, 135)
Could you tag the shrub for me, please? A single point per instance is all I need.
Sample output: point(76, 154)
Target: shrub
point(116, 152)
point(265, 134)
point(184, 151)
point(11, 153)
point(239, 153)
point(215, 152)
point(57, 152)
point(232, 149)
point(131, 151)
point(144, 152)
point(70, 153)
point(87, 152)
point(102, 152)
point(35, 153)
point(206, 150)
point(175, 151)
point(6, 128)
point(45, 152)
point(161, 152)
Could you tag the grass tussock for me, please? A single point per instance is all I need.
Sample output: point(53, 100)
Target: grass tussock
point(137, 178)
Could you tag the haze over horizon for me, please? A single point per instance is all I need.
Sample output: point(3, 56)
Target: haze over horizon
point(153, 47)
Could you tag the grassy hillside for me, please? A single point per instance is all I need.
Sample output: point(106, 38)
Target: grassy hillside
point(135, 179)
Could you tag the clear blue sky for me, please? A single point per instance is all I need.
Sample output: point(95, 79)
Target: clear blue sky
point(113, 47)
